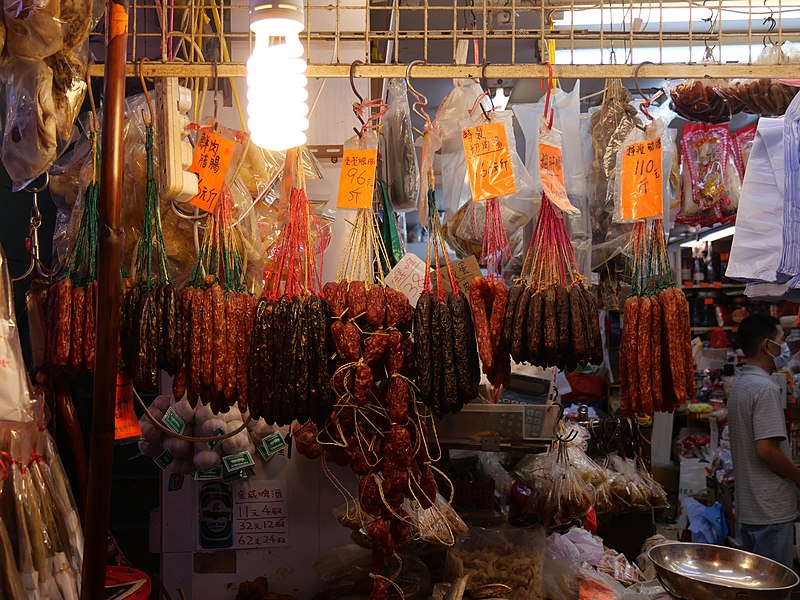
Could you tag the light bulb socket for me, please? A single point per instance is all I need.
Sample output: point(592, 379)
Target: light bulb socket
point(277, 9)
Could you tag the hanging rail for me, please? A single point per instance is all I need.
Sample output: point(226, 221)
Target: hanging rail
point(493, 71)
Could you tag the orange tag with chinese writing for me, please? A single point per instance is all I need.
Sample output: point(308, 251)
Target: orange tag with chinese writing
point(642, 192)
point(357, 181)
point(488, 161)
point(594, 590)
point(126, 425)
point(211, 160)
point(551, 174)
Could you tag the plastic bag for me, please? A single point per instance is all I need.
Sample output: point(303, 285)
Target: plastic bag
point(711, 183)
point(30, 133)
point(743, 143)
point(399, 154)
point(763, 97)
point(33, 28)
point(517, 208)
point(69, 88)
point(431, 144)
point(567, 120)
point(639, 204)
point(16, 400)
point(701, 100)
point(514, 557)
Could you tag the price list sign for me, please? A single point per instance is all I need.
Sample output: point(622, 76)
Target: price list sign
point(260, 514)
point(210, 161)
point(642, 185)
point(357, 181)
point(488, 161)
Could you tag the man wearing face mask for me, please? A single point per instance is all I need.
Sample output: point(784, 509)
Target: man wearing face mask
point(766, 478)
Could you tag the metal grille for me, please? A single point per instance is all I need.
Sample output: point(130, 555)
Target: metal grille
point(583, 38)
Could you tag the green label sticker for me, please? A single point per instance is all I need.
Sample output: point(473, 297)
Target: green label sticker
point(235, 462)
point(173, 420)
point(209, 474)
point(262, 451)
point(164, 460)
point(234, 476)
point(273, 443)
point(217, 432)
point(175, 482)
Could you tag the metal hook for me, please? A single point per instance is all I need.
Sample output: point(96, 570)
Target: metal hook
point(32, 241)
point(420, 100)
point(93, 125)
point(146, 96)
point(485, 87)
point(356, 105)
point(772, 24)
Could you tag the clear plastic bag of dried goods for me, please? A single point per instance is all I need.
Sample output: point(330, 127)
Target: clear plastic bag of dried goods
point(30, 132)
point(69, 88)
point(33, 28)
point(629, 487)
point(401, 172)
point(764, 97)
point(703, 100)
point(710, 180)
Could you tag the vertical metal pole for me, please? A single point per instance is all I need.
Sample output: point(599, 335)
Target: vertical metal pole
point(101, 449)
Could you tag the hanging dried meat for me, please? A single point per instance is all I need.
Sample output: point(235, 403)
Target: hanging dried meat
point(215, 319)
point(288, 370)
point(704, 100)
point(71, 301)
point(551, 318)
point(445, 351)
point(656, 368)
point(152, 337)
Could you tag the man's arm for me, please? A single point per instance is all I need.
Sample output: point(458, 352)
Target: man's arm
point(770, 452)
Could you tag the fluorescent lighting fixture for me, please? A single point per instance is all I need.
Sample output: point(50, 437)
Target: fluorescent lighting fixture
point(277, 99)
point(712, 236)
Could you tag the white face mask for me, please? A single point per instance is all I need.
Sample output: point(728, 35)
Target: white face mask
point(782, 359)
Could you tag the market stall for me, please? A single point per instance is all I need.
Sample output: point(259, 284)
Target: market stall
point(386, 300)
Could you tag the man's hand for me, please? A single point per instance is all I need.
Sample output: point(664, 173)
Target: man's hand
point(769, 450)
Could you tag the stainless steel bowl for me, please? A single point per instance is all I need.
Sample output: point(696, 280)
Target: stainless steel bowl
point(706, 572)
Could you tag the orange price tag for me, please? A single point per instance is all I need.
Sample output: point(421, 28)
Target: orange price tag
point(551, 174)
point(708, 301)
point(126, 425)
point(211, 160)
point(642, 192)
point(357, 181)
point(594, 590)
point(488, 161)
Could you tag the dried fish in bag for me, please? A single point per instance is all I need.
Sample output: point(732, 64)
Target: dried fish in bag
point(29, 137)
point(399, 155)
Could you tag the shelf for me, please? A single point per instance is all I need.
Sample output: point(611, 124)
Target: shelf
point(710, 329)
point(495, 445)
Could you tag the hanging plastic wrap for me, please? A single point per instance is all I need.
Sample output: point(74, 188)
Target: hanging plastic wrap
point(16, 403)
point(399, 154)
point(743, 143)
point(711, 181)
point(30, 132)
point(34, 28)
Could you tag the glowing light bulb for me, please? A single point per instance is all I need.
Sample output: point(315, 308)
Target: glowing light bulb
point(277, 109)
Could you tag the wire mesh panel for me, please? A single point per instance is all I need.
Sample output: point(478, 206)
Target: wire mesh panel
point(582, 37)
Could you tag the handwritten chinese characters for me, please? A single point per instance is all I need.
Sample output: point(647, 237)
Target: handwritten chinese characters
point(357, 180)
point(260, 514)
point(642, 191)
point(211, 160)
point(551, 174)
point(488, 161)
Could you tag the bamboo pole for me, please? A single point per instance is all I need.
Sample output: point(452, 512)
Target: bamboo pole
point(101, 448)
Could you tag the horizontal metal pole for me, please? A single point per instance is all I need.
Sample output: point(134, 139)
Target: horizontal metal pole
point(493, 71)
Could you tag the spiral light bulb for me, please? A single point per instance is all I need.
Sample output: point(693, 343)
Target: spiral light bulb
point(277, 109)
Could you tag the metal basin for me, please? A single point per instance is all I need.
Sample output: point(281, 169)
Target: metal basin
point(706, 572)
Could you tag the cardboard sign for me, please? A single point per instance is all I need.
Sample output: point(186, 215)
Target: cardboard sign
point(357, 181)
point(211, 160)
point(488, 161)
point(642, 190)
point(408, 276)
point(551, 174)
point(261, 514)
point(126, 425)
point(465, 271)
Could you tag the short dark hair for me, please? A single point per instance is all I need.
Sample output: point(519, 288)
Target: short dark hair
point(754, 330)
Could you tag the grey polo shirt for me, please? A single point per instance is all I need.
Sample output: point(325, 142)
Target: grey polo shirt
point(755, 413)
